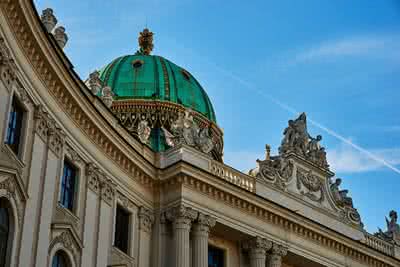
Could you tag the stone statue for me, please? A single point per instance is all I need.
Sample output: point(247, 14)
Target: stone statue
point(340, 196)
point(107, 96)
point(295, 136)
point(94, 83)
point(314, 145)
point(289, 135)
point(393, 229)
point(186, 131)
point(144, 131)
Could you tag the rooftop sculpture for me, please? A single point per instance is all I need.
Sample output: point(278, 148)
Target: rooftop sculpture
point(393, 229)
point(297, 140)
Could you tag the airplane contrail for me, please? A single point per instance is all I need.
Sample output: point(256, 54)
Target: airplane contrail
point(292, 110)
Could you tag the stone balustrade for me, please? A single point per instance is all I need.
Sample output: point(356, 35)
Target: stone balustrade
point(233, 176)
point(379, 244)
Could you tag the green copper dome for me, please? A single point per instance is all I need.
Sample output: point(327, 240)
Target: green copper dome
point(151, 77)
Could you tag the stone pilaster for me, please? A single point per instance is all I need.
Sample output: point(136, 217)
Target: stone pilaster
point(182, 218)
point(274, 258)
point(200, 232)
point(257, 248)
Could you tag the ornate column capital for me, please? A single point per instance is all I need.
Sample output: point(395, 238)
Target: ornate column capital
point(275, 256)
point(203, 223)
point(181, 216)
point(146, 219)
point(279, 250)
point(257, 244)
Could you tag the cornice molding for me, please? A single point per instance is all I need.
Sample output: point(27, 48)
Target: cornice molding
point(22, 31)
point(289, 225)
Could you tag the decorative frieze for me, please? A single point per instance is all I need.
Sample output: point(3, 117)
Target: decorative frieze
point(107, 191)
point(73, 155)
point(8, 68)
point(146, 219)
point(94, 177)
point(56, 140)
point(98, 182)
point(47, 128)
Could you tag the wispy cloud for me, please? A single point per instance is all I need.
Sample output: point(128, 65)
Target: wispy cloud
point(385, 46)
point(381, 161)
point(345, 159)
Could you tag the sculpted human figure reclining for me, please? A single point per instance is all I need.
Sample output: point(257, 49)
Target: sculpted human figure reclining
point(340, 196)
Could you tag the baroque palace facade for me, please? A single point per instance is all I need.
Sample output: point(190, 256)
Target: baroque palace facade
point(125, 169)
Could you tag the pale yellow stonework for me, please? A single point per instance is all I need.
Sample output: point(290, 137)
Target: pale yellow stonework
point(180, 201)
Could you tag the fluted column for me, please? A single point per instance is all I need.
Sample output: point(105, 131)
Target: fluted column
point(257, 247)
point(182, 218)
point(274, 258)
point(200, 232)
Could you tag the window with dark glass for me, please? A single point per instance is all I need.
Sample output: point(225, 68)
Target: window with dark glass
point(121, 234)
point(216, 257)
point(59, 260)
point(68, 181)
point(4, 232)
point(14, 126)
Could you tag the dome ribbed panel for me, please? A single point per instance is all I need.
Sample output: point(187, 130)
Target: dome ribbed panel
point(157, 78)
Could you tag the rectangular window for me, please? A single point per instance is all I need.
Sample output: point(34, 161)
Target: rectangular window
point(121, 234)
point(216, 257)
point(14, 127)
point(68, 180)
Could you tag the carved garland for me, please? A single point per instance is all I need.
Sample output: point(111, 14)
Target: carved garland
point(272, 218)
point(146, 219)
point(23, 33)
point(312, 183)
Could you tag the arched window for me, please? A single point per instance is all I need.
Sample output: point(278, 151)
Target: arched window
point(4, 231)
point(60, 260)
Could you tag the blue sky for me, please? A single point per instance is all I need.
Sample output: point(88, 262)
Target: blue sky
point(339, 61)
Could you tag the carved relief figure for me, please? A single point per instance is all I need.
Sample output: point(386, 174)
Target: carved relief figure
point(144, 131)
point(340, 196)
point(186, 131)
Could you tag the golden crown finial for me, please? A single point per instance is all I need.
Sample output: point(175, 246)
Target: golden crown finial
point(145, 42)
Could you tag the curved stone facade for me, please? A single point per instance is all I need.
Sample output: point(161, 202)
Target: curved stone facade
point(175, 205)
